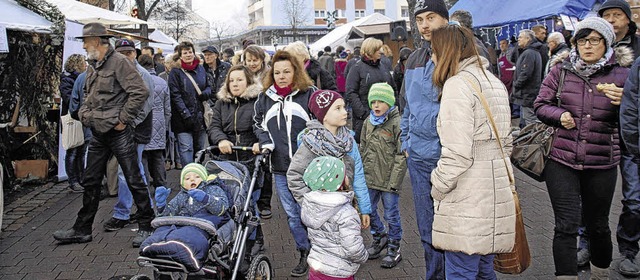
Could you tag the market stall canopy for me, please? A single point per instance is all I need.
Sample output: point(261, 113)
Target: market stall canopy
point(339, 35)
point(162, 41)
point(490, 13)
point(85, 13)
point(16, 17)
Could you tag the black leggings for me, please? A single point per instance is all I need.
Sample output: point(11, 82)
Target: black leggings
point(567, 187)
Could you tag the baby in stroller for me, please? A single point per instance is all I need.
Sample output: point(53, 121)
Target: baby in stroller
point(201, 197)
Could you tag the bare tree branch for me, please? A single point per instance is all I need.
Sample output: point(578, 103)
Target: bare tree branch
point(297, 13)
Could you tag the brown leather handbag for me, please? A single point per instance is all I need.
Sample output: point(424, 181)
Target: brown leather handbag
point(519, 259)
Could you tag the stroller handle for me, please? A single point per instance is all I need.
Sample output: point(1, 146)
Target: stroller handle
point(212, 149)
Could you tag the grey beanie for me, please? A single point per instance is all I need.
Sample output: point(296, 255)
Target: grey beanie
point(599, 25)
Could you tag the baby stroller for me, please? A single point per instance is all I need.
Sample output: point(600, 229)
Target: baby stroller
point(227, 245)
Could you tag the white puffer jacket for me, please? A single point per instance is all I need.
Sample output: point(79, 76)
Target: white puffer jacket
point(333, 225)
point(473, 203)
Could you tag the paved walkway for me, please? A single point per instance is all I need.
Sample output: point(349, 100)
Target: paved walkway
point(27, 250)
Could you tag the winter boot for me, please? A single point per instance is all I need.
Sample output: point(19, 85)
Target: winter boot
point(303, 267)
point(393, 256)
point(599, 273)
point(378, 244)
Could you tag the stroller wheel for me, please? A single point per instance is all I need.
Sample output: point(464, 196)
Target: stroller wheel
point(260, 269)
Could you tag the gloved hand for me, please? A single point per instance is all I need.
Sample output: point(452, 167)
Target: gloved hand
point(161, 196)
point(198, 195)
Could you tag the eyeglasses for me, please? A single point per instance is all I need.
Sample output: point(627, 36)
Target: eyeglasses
point(592, 41)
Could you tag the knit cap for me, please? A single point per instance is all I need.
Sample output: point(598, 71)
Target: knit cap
point(324, 173)
point(195, 168)
point(381, 92)
point(620, 4)
point(320, 102)
point(436, 6)
point(599, 25)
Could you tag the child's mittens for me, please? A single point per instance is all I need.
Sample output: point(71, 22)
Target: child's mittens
point(161, 196)
point(199, 195)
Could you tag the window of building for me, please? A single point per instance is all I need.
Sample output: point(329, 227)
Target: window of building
point(404, 11)
point(360, 13)
point(380, 11)
point(342, 14)
point(320, 13)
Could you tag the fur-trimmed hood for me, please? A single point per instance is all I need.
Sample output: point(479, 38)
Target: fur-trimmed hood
point(623, 56)
point(251, 92)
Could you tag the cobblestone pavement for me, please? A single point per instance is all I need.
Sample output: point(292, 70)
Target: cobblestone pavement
point(27, 250)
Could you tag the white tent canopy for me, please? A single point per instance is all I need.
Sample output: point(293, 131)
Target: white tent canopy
point(85, 13)
point(164, 42)
point(338, 36)
point(16, 17)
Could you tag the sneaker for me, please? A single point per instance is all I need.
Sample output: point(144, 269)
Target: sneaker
point(583, 257)
point(393, 256)
point(265, 214)
point(629, 268)
point(76, 187)
point(167, 165)
point(114, 224)
point(303, 267)
point(379, 244)
point(142, 235)
point(71, 236)
point(178, 166)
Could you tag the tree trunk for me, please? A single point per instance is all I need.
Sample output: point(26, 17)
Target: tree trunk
point(415, 33)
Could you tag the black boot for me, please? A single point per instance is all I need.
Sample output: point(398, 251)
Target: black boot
point(393, 256)
point(378, 244)
point(302, 268)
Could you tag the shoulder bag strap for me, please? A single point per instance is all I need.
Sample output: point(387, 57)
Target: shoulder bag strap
point(563, 73)
point(192, 81)
point(483, 100)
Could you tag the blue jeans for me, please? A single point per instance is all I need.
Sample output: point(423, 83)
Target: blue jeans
point(420, 173)
point(462, 266)
point(122, 209)
point(391, 213)
point(292, 208)
point(189, 143)
point(628, 233)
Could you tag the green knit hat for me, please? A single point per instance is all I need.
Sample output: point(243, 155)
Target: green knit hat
point(382, 92)
point(324, 173)
point(195, 168)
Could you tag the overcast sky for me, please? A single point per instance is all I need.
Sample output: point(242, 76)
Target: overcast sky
point(231, 12)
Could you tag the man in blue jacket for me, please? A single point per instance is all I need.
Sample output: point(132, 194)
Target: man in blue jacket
point(420, 141)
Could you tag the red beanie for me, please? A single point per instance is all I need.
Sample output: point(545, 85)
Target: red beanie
point(320, 102)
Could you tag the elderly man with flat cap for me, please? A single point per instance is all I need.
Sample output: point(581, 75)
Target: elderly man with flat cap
point(114, 94)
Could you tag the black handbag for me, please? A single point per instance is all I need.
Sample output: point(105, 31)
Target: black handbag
point(532, 146)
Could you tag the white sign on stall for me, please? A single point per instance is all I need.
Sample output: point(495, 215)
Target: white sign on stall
point(4, 42)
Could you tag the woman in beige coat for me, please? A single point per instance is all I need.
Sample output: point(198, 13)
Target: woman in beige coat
point(473, 204)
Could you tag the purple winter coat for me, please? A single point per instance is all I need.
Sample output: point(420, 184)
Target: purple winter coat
point(594, 142)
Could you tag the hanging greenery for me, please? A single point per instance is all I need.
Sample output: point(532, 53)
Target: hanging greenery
point(31, 72)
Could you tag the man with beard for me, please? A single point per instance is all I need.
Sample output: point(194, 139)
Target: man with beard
point(115, 93)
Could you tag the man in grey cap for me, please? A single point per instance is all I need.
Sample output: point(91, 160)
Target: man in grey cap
point(114, 95)
point(618, 13)
point(216, 69)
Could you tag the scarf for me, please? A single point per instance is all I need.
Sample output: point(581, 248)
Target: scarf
point(283, 91)
point(370, 62)
point(586, 69)
point(322, 142)
point(190, 67)
point(380, 120)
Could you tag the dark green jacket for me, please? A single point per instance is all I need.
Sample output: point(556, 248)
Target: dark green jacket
point(380, 146)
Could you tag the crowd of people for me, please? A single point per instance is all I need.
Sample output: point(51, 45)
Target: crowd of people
point(342, 130)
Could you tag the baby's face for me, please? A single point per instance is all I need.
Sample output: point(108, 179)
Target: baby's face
point(191, 181)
